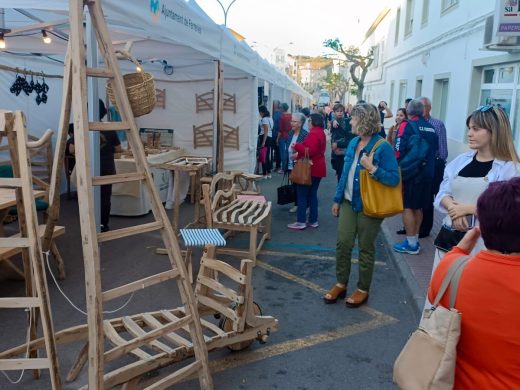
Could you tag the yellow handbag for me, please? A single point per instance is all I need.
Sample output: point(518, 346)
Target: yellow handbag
point(379, 200)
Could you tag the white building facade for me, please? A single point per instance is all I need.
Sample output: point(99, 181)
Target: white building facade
point(437, 49)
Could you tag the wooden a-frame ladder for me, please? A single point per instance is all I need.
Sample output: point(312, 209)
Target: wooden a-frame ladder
point(75, 99)
point(36, 300)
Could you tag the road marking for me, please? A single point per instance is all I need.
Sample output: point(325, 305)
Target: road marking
point(269, 351)
point(312, 286)
point(378, 320)
point(313, 257)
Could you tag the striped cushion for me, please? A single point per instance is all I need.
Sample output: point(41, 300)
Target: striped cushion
point(201, 237)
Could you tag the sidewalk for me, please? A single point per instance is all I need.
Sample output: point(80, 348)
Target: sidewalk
point(415, 270)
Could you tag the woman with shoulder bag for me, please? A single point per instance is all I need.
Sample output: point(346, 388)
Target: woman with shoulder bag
point(348, 204)
point(488, 351)
point(296, 135)
point(307, 195)
point(492, 158)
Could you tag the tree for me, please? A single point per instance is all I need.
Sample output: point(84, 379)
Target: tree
point(352, 56)
point(338, 85)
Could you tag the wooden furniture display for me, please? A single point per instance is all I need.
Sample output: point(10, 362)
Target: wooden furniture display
point(36, 301)
point(160, 96)
point(203, 136)
point(205, 102)
point(98, 330)
point(195, 167)
point(221, 291)
point(232, 214)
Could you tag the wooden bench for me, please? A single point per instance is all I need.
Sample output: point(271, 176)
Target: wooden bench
point(7, 253)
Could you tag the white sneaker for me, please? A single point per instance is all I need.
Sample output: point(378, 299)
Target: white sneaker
point(293, 209)
point(297, 226)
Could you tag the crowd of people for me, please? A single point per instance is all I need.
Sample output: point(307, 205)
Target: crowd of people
point(478, 193)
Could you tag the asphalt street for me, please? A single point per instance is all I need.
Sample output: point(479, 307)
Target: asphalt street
point(317, 346)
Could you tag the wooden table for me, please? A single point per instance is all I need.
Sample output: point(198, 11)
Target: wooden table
point(8, 200)
point(194, 166)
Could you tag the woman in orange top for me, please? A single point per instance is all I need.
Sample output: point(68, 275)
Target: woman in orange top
point(488, 298)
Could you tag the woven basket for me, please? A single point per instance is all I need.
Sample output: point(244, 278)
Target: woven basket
point(140, 89)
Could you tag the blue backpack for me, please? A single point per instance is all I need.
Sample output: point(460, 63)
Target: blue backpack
point(416, 154)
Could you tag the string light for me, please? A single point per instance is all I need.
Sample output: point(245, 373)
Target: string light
point(2, 41)
point(138, 68)
point(46, 39)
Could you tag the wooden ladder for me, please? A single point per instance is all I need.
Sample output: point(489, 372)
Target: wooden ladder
point(36, 300)
point(75, 100)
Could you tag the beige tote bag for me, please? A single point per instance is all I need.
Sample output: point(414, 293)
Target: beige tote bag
point(427, 361)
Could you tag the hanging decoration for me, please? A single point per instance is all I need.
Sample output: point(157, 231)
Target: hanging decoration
point(21, 84)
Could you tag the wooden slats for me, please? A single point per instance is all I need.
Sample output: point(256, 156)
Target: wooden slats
point(140, 284)
point(228, 270)
point(130, 231)
point(177, 376)
point(100, 72)
point(213, 304)
point(11, 182)
point(171, 317)
point(19, 302)
point(28, 364)
point(19, 242)
point(134, 329)
point(137, 342)
point(108, 126)
point(118, 178)
point(151, 321)
point(116, 339)
point(221, 289)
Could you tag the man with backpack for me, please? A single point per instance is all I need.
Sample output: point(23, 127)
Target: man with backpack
point(416, 147)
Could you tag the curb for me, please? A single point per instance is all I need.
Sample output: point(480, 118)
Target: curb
point(413, 292)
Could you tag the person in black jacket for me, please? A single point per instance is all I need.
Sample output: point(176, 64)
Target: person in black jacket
point(340, 136)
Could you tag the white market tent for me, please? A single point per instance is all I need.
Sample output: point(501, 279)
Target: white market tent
point(175, 31)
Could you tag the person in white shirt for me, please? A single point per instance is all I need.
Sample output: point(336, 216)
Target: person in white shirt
point(265, 140)
point(492, 158)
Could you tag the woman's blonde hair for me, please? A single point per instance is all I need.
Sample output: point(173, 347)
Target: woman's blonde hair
point(495, 120)
point(369, 120)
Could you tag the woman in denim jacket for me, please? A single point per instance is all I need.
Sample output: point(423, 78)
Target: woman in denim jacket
point(348, 205)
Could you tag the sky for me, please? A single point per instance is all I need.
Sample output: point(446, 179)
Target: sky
point(297, 26)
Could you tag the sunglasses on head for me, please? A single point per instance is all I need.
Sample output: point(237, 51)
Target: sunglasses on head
point(485, 108)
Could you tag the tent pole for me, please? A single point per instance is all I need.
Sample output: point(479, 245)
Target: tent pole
point(218, 119)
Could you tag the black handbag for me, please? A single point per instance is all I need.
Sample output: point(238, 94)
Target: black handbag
point(286, 192)
point(447, 239)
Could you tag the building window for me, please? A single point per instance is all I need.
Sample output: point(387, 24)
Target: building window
point(375, 55)
point(408, 24)
point(418, 88)
point(392, 88)
point(402, 92)
point(425, 12)
point(397, 22)
point(498, 88)
point(440, 98)
point(448, 5)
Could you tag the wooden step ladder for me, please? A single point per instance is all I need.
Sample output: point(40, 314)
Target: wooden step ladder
point(36, 301)
point(99, 330)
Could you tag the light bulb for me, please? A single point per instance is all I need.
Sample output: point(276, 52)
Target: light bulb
point(46, 39)
point(2, 41)
point(138, 69)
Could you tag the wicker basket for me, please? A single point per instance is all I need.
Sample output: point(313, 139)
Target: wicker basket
point(140, 89)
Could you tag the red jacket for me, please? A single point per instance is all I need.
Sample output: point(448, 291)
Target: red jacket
point(316, 143)
point(284, 124)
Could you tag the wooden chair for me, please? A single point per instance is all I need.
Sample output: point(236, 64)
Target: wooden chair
point(225, 210)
